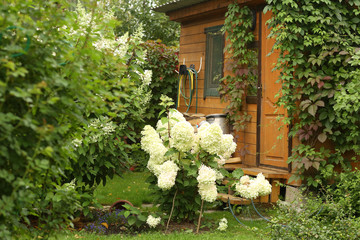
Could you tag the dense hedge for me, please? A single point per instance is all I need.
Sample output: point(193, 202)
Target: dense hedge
point(69, 96)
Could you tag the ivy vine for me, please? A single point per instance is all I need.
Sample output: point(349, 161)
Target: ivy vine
point(243, 63)
point(319, 63)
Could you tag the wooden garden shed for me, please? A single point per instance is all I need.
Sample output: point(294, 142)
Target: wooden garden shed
point(201, 21)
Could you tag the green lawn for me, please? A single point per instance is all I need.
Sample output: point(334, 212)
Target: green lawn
point(131, 186)
point(234, 231)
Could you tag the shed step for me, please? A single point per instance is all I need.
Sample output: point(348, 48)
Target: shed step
point(254, 171)
point(233, 199)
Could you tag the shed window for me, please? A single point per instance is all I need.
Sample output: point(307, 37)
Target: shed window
point(214, 61)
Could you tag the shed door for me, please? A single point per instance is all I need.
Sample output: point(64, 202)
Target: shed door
point(273, 142)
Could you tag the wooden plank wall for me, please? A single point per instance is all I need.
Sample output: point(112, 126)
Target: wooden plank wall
point(192, 47)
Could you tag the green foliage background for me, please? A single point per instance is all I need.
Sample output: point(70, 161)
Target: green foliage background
point(53, 89)
point(157, 26)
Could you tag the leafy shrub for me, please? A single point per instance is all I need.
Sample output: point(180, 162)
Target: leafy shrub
point(311, 218)
point(38, 109)
point(69, 96)
point(346, 190)
point(163, 62)
point(103, 143)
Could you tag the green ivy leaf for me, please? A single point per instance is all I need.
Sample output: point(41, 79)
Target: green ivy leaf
point(312, 109)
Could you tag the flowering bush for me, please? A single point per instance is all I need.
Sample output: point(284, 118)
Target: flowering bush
point(103, 143)
point(70, 93)
point(185, 164)
point(253, 188)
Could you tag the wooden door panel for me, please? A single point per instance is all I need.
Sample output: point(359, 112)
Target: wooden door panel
point(274, 151)
point(273, 142)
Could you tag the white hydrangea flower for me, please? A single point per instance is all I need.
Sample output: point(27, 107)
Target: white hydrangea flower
point(196, 144)
point(138, 34)
point(122, 46)
point(152, 144)
point(157, 153)
point(203, 127)
point(208, 191)
point(223, 224)
point(153, 221)
point(263, 185)
point(245, 180)
point(182, 135)
point(166, 174)
point(149, 137)
point(175, 116)
point(168, 166)
point(210, 139)
point(166, 180)
point(260, 177)
point(206, 175)
point(247, 191)
point(101, 127)
point(252, 188)
point(228, 146)
point(147, 77)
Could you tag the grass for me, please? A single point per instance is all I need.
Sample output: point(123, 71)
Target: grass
point(257, 230)
point(131, 186)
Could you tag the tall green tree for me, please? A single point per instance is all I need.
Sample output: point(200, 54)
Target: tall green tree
point(133, 13)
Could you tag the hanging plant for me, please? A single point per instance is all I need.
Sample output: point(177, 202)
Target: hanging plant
point(243, 63)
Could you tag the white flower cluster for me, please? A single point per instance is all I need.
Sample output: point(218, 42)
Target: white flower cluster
point(228, 146)
point(175, 116)
point(166, 171)
point(77, 142)
point(223, 224)
point(152, 144)
point(207, 185)
point(253, 188)
point(210, 138)
point(99, 128)
point(153, 221)
point(166, 174)
point(182, 135)
point(147, 77)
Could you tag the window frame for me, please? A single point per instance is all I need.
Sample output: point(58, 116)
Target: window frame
point(210, 90)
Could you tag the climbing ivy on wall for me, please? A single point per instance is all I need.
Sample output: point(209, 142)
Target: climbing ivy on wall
point(242, 61)
point(318, 42)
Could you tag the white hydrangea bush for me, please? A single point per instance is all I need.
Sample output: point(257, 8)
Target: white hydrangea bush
point(177, 133)
point(253, 188)
point(186, 164)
